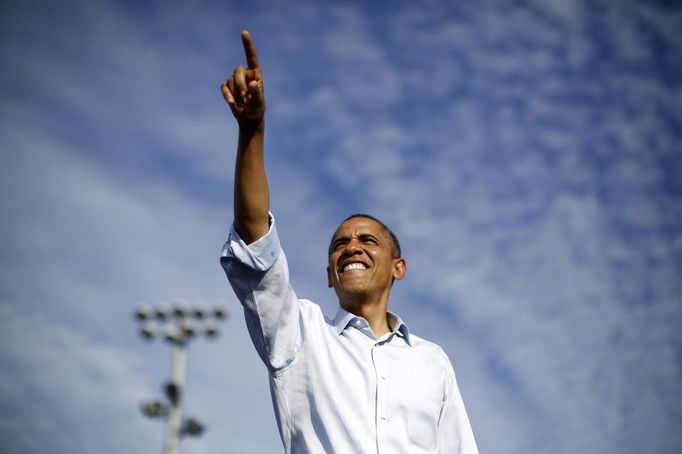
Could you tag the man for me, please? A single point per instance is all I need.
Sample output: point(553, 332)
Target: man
point(357, 383)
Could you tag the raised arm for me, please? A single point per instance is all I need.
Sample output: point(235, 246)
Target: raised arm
point(243, 92)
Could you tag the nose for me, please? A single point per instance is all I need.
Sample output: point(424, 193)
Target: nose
point(352, 247)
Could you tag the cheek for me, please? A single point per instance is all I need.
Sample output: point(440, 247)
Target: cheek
point(377, 256)
point(331, 266)
point(371, 252)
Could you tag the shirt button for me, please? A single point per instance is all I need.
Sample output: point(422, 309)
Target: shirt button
point(383, 377)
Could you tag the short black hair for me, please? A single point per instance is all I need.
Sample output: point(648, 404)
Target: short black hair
point(394, 239)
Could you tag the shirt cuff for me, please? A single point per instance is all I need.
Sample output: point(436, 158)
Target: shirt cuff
point(259, 255)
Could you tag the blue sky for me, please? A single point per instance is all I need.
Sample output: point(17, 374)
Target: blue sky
point(527, 154)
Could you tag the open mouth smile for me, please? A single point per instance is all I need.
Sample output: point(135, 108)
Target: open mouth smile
point(354, 266)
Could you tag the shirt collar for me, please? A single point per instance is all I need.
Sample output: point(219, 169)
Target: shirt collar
point(343, 318)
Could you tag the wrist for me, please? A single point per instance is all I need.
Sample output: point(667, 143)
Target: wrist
point(252, 127)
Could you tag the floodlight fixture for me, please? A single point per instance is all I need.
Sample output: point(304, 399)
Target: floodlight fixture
point(192, 427)
point(143, 313)
point(147, 330)
point(173, 335)
point(219, 312)
point(200, 311)
point(155, 409)
point(180, 309)
point(173, 392)
point(188, 328)
point(178, 323)
point(211, 329)
point(162, 311)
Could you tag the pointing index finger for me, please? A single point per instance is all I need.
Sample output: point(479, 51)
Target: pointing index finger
point(250, 51)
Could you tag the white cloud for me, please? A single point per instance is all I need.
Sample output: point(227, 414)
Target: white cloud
point(58, 379)
point(98, 244)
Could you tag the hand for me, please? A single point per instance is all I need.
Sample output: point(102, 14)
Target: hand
point(243, 91)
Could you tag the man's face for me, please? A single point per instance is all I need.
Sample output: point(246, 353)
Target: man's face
point(362, 264)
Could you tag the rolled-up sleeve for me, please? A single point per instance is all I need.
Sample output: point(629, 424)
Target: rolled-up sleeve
point(259, 276)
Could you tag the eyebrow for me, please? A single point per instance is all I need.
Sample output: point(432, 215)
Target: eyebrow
point(339, 239)
point(361, 236)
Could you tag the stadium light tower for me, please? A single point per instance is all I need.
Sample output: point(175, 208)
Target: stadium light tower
point(178, 324)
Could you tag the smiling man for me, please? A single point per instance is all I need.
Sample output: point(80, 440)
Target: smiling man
point(360, 382)
point(364, 260)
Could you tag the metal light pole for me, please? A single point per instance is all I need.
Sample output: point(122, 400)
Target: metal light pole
point(178, 325)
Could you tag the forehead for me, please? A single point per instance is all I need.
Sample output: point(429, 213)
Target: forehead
point(358, 226)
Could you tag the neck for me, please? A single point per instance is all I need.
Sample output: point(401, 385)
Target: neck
point(375, 314)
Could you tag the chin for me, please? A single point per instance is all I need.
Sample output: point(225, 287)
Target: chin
point(352, 293)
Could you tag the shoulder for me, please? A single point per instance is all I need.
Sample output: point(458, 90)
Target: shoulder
point(431, 351)
point(311, 308)
point(311, 313)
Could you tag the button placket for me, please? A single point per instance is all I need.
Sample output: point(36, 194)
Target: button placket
point(381, 380)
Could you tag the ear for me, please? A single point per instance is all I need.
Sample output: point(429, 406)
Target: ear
point(399, 268)
point(329, 278)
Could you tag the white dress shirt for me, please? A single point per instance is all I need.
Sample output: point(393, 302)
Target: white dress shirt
point(335, 387)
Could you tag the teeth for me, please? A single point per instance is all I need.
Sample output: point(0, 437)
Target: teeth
point(354, 266)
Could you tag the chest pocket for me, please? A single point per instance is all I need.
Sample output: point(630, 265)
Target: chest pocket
point(423, 400)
